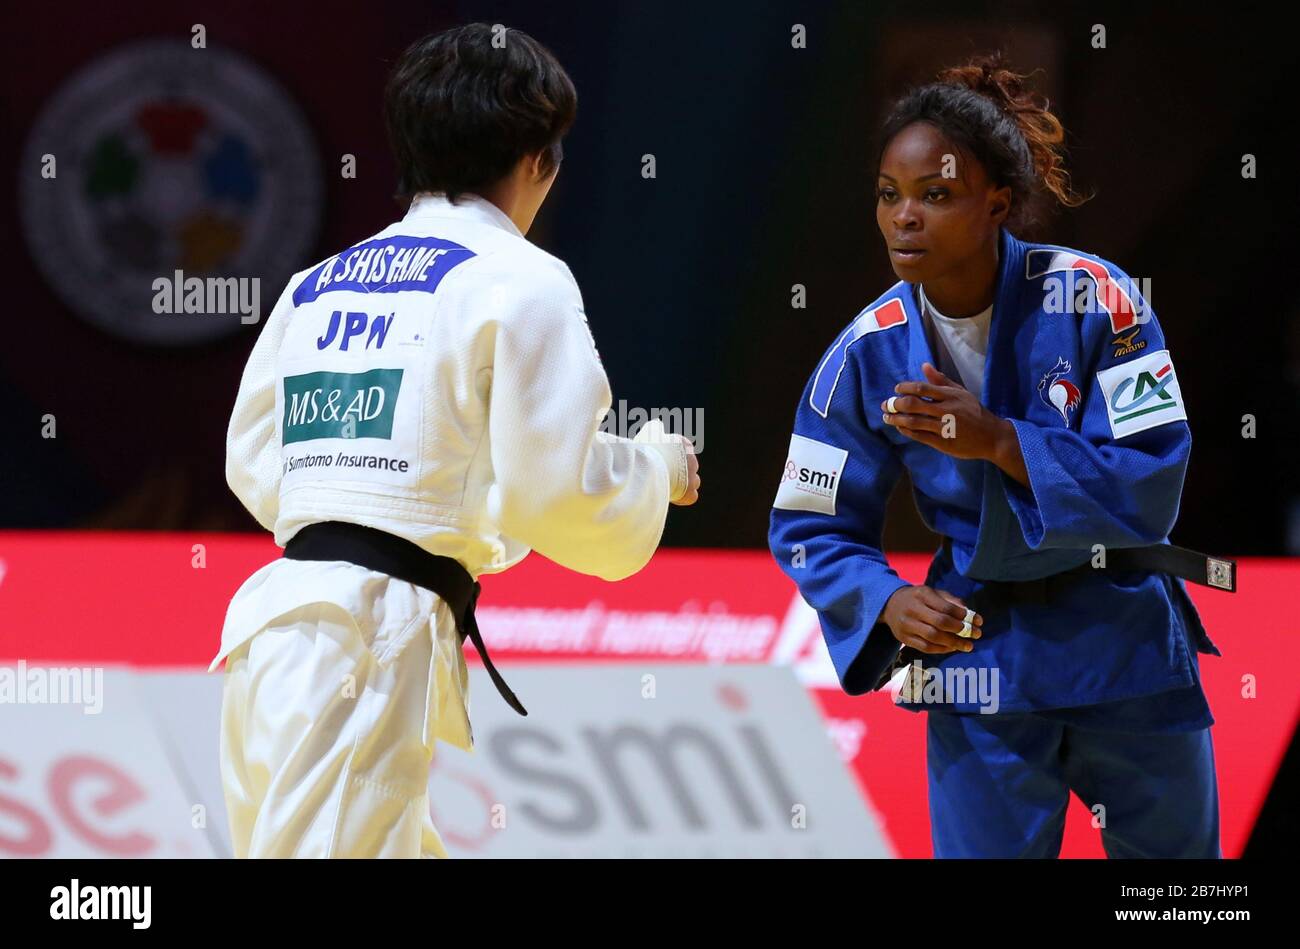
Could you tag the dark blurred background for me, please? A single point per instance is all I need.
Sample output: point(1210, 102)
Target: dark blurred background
point(762, 182)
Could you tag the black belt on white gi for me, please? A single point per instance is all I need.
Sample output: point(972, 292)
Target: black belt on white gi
point(386, 553)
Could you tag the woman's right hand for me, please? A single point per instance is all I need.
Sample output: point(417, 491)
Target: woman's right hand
point(929, 620)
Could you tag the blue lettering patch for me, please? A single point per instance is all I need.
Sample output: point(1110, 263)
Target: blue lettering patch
point(387, 265)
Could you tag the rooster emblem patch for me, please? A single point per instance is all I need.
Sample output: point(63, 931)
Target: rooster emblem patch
point(1057, 391)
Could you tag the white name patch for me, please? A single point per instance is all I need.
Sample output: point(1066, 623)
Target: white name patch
point(1142, 393)
point(811, 478)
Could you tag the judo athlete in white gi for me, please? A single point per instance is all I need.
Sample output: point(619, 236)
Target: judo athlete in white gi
point(430, 398)
point(1028, 392)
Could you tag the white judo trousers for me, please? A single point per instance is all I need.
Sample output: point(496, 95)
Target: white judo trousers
point(328, 717)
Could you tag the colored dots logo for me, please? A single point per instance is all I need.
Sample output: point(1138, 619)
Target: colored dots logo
point(169, 158)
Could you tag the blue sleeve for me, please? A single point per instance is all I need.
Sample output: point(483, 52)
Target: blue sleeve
point(825, 530)
point(1118, 480)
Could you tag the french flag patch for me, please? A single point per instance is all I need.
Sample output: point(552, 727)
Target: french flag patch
point(888, 314)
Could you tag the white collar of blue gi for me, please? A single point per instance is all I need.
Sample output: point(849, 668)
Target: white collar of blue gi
point(469, 207)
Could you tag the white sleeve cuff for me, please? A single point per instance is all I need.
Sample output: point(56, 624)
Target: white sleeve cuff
point(672, 448)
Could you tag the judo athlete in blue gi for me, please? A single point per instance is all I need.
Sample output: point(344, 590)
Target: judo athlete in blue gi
point(1028, 392)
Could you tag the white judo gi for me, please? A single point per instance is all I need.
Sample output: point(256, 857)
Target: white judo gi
point(438, 382)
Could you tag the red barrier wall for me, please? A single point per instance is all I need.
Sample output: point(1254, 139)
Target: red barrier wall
point(156, 599)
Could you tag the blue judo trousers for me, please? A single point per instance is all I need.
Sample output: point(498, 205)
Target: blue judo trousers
point(999, 786)
point(1092, 686)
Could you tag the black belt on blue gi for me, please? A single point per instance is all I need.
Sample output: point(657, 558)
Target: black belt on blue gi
point(1158, 558)
point(386, 553)
point(1190, 565)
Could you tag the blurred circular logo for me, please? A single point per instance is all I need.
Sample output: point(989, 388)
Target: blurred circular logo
point(186, 190)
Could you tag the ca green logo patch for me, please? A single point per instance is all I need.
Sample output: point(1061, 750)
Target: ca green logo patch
point(1142, 393)
point(340, 404)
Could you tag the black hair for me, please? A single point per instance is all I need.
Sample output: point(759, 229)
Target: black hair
point(463, 106)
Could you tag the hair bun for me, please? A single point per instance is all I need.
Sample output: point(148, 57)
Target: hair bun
point(990, 76)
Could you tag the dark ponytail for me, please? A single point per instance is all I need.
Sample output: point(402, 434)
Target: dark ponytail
point(989, 111)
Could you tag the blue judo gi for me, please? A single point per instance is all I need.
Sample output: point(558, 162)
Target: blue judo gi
point(1094, 684)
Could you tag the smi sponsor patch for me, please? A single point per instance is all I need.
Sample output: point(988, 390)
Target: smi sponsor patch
point(811, 478)
point(1142, 393)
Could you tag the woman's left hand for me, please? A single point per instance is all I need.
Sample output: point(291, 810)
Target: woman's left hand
point(945, 415)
